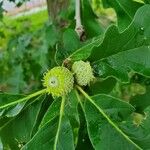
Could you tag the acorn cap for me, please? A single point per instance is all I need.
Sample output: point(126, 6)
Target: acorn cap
point(83, 72)
point(58, 81)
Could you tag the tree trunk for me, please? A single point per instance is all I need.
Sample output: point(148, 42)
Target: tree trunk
point(54, 7)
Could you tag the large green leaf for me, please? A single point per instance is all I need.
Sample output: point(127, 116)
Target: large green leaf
point(55, 133)
point(125, 10)
point(120, 64)
point(136, 35)
point(101, 127)
point(130, 53)
point(17, 131)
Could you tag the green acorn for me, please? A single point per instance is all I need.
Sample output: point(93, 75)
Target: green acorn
point(138, 119)
point(58, 81)
point(83, 72)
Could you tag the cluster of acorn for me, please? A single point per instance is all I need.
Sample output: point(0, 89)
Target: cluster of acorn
point(59, 81)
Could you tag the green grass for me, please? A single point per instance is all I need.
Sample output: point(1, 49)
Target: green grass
point(21, 24)
point(36, 19)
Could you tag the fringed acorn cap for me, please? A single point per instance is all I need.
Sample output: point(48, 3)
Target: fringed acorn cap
point(58, 81)
point(83, 72)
